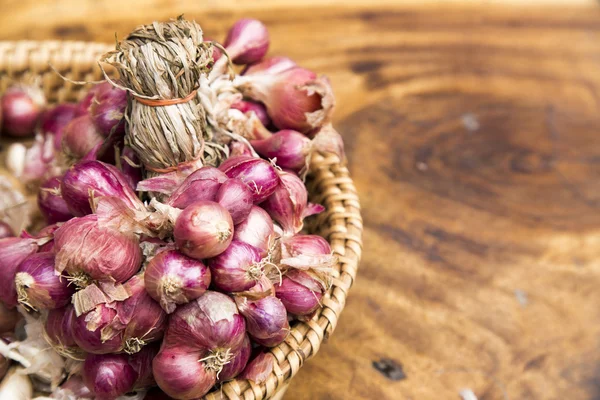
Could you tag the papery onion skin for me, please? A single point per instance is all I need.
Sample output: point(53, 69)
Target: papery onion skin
point(83, 248)
point(237, 269)
point(237, 198)
point(257, 108)
point(99, 178)
point(107, 108)
point(257, 230)
point(202, 184)
point(247, 41)
point(38, 287)
point(172, 278)
point(47, 233)
point(179, 374)
point(239, 149)
point(287, 204)
point(54, 120)
point(289, 147)
point(270, 66)
point(203, 230)
point(12, 252)
point(260, 176)
point(21, 110)
point(5, 230)
point(79, 137)
point(238, 362)
point(298, 298)
point(87, 331)
point(51, 204)
point(108, 375)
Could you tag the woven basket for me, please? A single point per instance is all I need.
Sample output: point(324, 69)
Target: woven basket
point(329, 184)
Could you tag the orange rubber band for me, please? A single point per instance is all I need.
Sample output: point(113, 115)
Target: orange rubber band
point(165, 102)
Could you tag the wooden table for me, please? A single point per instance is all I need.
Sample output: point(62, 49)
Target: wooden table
point(473, 134)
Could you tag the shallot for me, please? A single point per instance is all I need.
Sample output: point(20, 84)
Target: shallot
point(21, 109)
point(172, 278)
point(295, 98)
point(247, 41)
point(287, 204)
point(107, 108)
point(54, 120)
point(37, 285)
point(291, 149)
point(50, 202)
point(237, 198)
point(259, 175)
point(204, 229)
point(202, 184)
point(257, 230)
point(79, 137)
point(238, 268)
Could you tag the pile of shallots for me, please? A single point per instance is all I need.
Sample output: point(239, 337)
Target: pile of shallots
point(182, 279)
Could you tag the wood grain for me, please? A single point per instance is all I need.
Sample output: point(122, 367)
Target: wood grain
point(472, 135)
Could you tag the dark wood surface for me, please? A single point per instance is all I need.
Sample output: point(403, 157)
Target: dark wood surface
point(473, 134)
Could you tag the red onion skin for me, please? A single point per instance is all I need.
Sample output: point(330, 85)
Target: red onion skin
point(291, 96)
point(237, 198)
point(305, 244)
point(54, 120)
point(202, 184)
point(211, 321)
point(172, 278)
point(141, 362)
point(257, 230)
point(259, 109)
point(139, 316)
point(39, 284)
point(266, 319)
point(247, 41)
point(269, 66)
point(12, 252)
point(203, 230)
point(108, 375)
point(5, 230)
point(102, 254)
point(20, 112)
point(289, 147)
point(80, 136)
point(86, 330)
point(179, 374)
point(51, 205)
point(298, 299)
point(103, 179)
point(287, 204)
point(260, 176)
point(259, 368)
point(238, 363)
point(58, 327)
point(107, 108)
point(231, 269)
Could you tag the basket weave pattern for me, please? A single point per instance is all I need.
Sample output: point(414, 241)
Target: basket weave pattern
point(329, 185)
